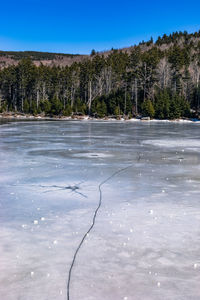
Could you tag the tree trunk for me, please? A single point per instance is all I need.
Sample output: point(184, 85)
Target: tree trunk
point(90, 96)
point(136, 97)
point(125, 99)
point(38, 97)
point(72, 96)
point(145, 79)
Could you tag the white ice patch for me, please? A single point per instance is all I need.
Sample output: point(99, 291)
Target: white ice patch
point(191, 144)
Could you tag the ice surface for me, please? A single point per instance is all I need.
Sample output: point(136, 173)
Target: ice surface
point(145, 244)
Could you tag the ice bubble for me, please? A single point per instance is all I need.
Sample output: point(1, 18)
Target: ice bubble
point(24, 225)
point(131, 230)
point(61, 292)
point(42, 219)
point(158, 284)
point(32, 274)
point(151, 211)
point(125, 298)
point(38, 208)
point(110, 222)
point(195, 266)
point(35, 222)
point(163, 191)
point(55, 242)
point(124, 244)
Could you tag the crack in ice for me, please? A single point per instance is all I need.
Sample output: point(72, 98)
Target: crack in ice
point(92, 225)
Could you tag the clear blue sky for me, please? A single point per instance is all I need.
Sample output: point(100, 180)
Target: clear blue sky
point(79, 26)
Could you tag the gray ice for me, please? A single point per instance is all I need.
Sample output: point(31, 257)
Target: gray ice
point(145, 244)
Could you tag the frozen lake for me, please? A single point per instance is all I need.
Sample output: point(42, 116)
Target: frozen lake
point(146, 241)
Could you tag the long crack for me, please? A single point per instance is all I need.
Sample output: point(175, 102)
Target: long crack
point(91, 227)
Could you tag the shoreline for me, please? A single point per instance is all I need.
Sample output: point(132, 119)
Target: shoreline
point(17, 116)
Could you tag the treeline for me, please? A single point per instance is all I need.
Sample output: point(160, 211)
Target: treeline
point(34, 55)
point(158, 79)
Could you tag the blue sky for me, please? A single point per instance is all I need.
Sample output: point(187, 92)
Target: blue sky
point(80, 26)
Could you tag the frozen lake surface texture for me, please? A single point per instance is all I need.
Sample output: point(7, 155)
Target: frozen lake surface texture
point(146, 241)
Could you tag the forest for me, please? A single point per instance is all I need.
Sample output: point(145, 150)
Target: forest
point(34, 55)
point(156, 79)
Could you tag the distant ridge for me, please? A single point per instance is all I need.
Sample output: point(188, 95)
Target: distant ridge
point(48, 58)
point(163, 43)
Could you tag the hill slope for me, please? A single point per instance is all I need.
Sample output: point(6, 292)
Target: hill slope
point(157, 79)
point(8, 58)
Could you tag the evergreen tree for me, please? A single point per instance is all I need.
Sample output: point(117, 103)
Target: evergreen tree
point(26, 106)
point(56, 106)
point(148, 109)
point(101, 109)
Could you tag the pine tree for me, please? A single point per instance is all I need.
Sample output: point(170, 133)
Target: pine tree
point(148, 109)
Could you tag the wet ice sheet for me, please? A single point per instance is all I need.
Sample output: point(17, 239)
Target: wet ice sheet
point(145, 244)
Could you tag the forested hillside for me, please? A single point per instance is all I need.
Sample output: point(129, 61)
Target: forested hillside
point(157, 79)
point(9, 58)
point(34, 55)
